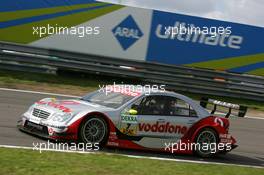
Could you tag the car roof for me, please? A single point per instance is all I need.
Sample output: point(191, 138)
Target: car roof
point(145, 90)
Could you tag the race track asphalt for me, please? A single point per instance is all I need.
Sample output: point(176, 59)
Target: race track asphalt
point(248, 132)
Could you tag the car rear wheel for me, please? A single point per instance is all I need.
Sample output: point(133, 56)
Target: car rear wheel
point(94, 130)
point(206, 143)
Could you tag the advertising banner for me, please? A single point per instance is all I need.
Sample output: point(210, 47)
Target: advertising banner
point(105, 29)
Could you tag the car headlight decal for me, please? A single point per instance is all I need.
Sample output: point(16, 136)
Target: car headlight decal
point(61, 117)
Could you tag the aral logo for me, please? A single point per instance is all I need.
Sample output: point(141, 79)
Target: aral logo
point(127, 32)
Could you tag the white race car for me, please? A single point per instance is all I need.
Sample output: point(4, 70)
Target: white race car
point(158, 121)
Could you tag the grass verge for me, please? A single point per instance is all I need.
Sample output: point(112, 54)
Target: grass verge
point(67, 83)
point(17, 161)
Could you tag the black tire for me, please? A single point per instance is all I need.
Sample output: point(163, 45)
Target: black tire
point(208, 137)
point(94, 130)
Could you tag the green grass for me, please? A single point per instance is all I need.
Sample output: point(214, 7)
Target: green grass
point(32, 78)
point(73, 83)
point(16, 161)
point(6, 16)
point(230, 63)
point(259, 72)
point(49, 83)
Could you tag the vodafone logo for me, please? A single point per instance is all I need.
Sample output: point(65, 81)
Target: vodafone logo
point(167, 128)
point(51, 131)
point(219, 121)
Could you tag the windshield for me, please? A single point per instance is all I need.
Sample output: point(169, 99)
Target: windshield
point(112, 100)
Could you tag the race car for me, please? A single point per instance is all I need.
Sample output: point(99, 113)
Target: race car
point(144, 119)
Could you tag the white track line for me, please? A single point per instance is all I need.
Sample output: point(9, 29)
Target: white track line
point(137, 157)
point(250, 117)
point(37, 92)
point(257, 118)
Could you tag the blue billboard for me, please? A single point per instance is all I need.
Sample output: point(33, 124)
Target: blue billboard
point(193, 48)
point(133, 33)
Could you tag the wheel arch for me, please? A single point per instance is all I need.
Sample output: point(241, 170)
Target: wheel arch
point(207, 122)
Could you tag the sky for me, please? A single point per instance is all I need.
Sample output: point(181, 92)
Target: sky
point(241, 11)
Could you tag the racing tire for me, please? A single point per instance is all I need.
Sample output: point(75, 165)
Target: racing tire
point(94, 130)
point(207, 137)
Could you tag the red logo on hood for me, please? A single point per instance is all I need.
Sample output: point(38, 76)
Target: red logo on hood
point(59, 105)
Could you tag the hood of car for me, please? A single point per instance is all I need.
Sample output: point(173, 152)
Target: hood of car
point(73, 106)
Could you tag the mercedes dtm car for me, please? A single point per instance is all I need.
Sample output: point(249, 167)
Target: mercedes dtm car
point(144, 120)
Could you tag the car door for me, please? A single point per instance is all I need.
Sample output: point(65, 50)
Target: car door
point(148, 119)
point(180, 117)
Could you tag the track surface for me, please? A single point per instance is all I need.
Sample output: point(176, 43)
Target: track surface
point(248, 132)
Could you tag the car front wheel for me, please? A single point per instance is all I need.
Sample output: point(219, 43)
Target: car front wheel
point(94, 130)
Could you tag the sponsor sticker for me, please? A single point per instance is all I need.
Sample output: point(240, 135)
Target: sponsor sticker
point(129, 124)
point(127, 32)
point(129, 119)
point(219, 121)
point(129, 130)
point(166, 128)
point(55, 105)
point(51, 131)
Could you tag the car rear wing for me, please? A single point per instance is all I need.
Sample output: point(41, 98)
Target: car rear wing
point(216, 104)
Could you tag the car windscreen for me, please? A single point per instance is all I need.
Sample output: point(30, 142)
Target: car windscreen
point(112, 100)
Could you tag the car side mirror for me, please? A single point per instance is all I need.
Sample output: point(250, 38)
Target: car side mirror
point(132, 112)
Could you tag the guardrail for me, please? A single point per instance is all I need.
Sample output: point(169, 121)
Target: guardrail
point(181, 78)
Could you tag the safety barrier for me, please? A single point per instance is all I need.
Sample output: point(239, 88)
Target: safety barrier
point(181, 78)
